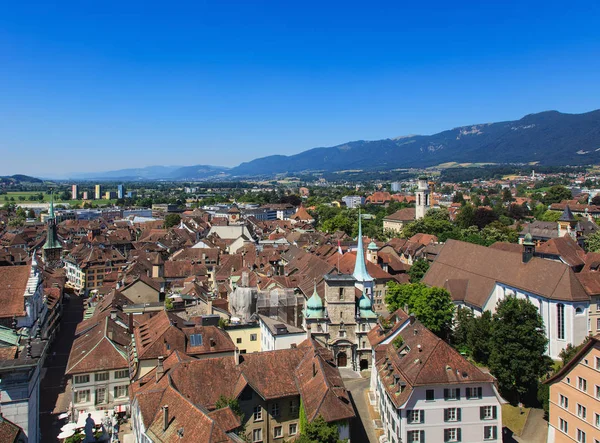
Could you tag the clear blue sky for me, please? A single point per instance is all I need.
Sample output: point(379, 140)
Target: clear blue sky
point(109, 85)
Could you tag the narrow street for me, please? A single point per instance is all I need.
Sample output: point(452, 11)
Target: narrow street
point(362, 429)
point(54, 390)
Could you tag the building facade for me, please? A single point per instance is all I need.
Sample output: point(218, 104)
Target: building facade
point(575, 398)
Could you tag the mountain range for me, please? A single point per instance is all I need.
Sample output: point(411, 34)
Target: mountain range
point(548, 138)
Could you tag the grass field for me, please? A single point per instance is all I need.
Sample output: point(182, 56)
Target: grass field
point(513, 419)
point(5, 197)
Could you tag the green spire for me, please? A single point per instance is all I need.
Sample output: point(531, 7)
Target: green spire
point(360, 268)
point(314, 305)
point(51, 210)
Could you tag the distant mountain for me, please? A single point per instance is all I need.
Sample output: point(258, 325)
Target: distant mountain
point(155, 173)
point(19, 178)
point(550, 138)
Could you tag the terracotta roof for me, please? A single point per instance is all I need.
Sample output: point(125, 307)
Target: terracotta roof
point(564, 247)
point(13, 283)
point(483, 267)
point(9, 432)
point(405, 214)
point(102, 348)
point(592, 341)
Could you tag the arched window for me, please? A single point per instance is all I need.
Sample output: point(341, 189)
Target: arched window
point(578, 310)
point(560, 321)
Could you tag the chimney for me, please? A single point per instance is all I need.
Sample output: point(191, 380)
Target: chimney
point(236, 356)
point(308, 332)
point(528, 248)
point(130, 323)
point(160, 369)
point(165, 409)
point(113, 314)
point(110, 335)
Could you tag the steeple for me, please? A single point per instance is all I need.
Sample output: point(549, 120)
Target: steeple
point(52, 248)
point(360, 268)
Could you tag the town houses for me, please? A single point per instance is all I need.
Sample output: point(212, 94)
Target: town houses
point(180, 323)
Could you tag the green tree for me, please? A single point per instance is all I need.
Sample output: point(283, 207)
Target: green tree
point(233, 403)
point(458, 198)
point(319, 431)
point(418, 270)
point(592, 243)
point(466, 217)
point(517, 347)
point(462, 327)
point(431, 305)
point(550, 216)
point(479, 336)
point(569, 352)
point(507, 196)
point(172, 220)
point(556, 194)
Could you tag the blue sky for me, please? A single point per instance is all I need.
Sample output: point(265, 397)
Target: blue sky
point(108, 85)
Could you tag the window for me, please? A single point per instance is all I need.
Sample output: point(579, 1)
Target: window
point(121, 391)
point(598, 358)
point(560, 321)
point(452, 414)
point(293, 407)
point(597, 420)
point(581, 411)
point(568, 380)
point(563, 425)
point(238, 340)
point(582, 384)
point(80, 379)
point(293, 428)
point(598, 392)
point(277, 432)
point(196, 340)
point(82, 396)
point(488, 412)
point(275, 409)
point(474, 393)
point(416, 436)
point(253, 337)
point(257, 435)
point(415, 416)
point(452, 434)
point(341, 292)
point(257, 413)
point(122, 374)
point(563, 401)
point(490, 432)
point(100, 396)
point(429, 395)
point(342, 333)
point(101, 376)
point(452, 394)
point(580, 436)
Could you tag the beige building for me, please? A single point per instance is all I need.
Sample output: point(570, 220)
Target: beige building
point(399, 219)
point(575, 398)
point(246, 337)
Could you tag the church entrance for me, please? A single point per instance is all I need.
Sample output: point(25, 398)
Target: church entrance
point(364, 364)
point(342, 359)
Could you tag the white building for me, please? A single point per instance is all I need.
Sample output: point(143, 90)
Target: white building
point(277, 335)
point(353, 201)
point(478, 278)
point(426, 391)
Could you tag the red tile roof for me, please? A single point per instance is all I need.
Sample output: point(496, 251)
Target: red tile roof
point(13, 282)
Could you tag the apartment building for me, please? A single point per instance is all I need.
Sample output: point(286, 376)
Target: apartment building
point(575, 398)
point(426, 391)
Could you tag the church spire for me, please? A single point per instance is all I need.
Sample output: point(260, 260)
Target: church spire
point(52, 248)
point(360, 267)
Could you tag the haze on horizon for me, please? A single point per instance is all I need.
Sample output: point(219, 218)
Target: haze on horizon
point(96, 87)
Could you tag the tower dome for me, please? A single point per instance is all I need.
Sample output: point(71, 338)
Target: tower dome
point(314, 306)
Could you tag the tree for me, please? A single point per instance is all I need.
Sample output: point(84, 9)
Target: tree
point(431, 305)
point(418, 270)
point(462, 326)
point(172, 220)
point(592, 243)
point(550, 216)
point(458, 198)
point(466, 217)
point(233, 404)
point(569, 352)
point(319, 431)
point(556, 194)
point(507, 196)
point(596, 200)
point(478, 337)
point(517, 347)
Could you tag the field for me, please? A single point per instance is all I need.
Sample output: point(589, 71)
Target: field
point(24, 198)
point(513, 419)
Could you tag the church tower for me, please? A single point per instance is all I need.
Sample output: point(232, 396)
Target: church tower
point(52, 249)
point(364, 282)
point(423, 202)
